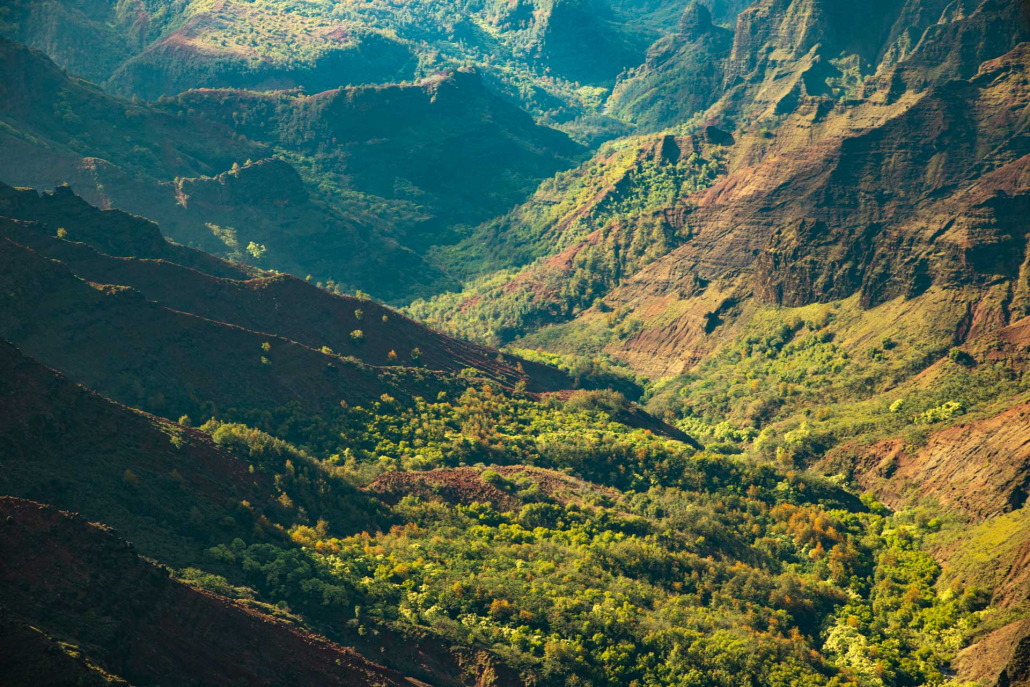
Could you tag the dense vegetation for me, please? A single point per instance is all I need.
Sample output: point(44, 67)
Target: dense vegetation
point(782, 295)
point(558, 59)
point(795, 385)
point(670, 566)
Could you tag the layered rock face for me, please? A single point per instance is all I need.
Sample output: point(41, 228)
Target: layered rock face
point(885, 196)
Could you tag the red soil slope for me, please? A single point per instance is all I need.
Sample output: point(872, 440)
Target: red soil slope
point(143, 626)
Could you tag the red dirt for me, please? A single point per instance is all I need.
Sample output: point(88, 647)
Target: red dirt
point(466, 485)
point(980, 468)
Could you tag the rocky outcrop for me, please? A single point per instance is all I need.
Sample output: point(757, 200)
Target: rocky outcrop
point(683, 74)
point(980, 469)
point(1001, 658)
point(881, 200)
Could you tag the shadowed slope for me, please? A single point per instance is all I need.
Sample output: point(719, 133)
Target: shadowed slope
point(143, 626)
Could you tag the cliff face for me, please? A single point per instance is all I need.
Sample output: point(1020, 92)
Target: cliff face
point(883, 198)
point(981, 469)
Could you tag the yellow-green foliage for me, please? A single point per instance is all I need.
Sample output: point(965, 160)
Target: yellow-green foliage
point(672, 567)
point(820, 366)
point(612, 199)
point(718, 568)
point(981, 555)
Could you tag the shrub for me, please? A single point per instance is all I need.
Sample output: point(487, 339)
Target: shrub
point(945, 411)
point(256, 250)
point(605, 400)
point(492, 477)
point(357, 336)
point(535, 515)
point(960, 357)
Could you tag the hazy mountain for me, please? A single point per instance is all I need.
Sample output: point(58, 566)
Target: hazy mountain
point(733, 390)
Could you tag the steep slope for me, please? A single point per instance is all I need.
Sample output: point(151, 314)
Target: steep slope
point(884, 198)
point(1000, 657)
point(275, 304)
point(164, 486)
point(63, 118)
point(980, 469)
point(582, 235)
point(172, 363)
point(968, 457)
point(445, 146)
point(138, 158)
point(407, 166)
point(682, 75)
point(111, 232)
point(885, 212)
point(143, 626)
point(264, 214)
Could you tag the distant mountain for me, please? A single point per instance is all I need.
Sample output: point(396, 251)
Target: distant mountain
point(540, 53)
point(415, 161)
point(447, 151)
